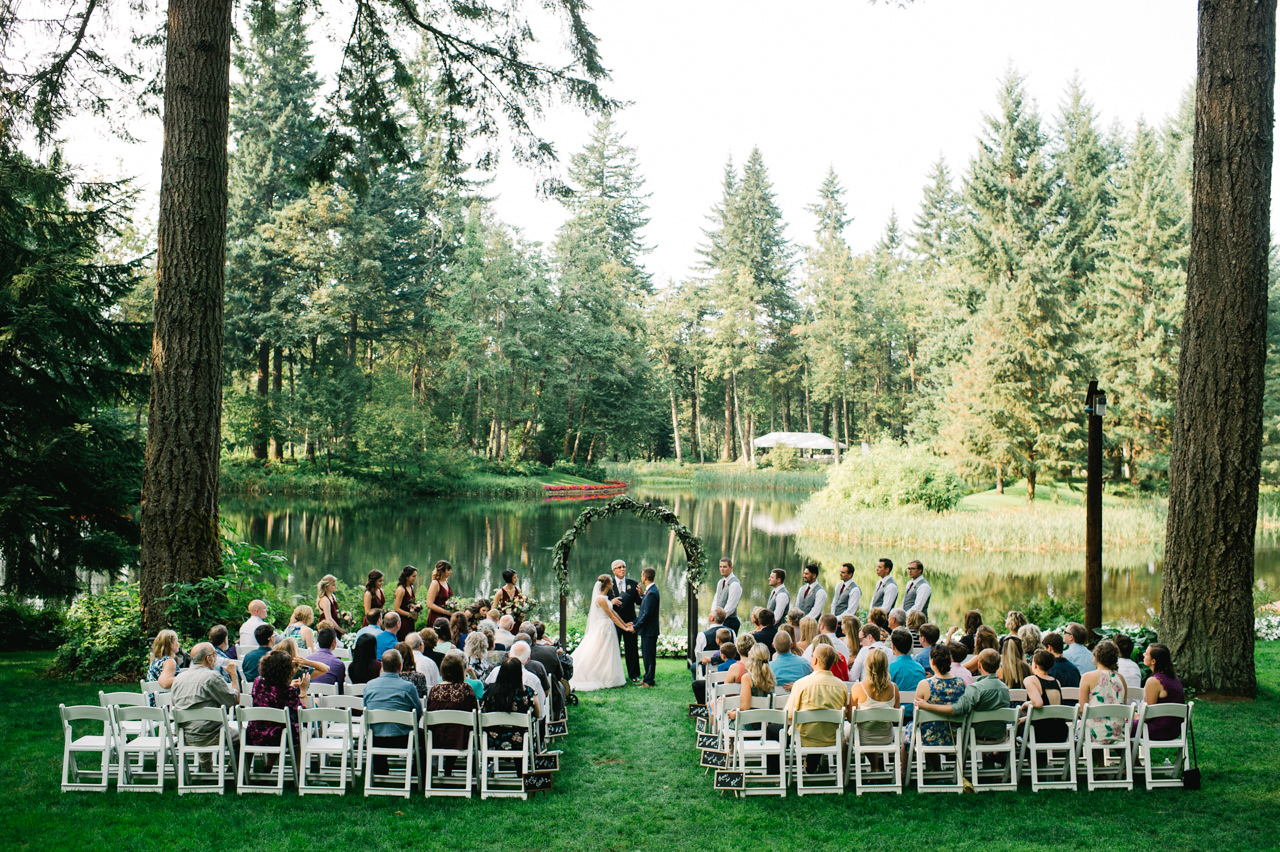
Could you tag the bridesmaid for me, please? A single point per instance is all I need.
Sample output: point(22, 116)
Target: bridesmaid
point(439, 592)
point(327, 603)
point(374, 597)
point(507, 592)
point(404, 604)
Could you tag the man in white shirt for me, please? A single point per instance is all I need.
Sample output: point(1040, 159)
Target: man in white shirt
point(868, 638)
point(848, 594)
point(503, 636)
point(257, 618)
point(425, 665)
point(812, 598)
point(521, 652)
point(728, 594)
point(916, 597)
point(886, 593)
point(779, 598)
point(827, 627)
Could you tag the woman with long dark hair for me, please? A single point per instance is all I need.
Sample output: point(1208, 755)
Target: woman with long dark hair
point(508, 694)
point(403, 604)
point(1163, 687)
point(273, 688)
point(374, 597)
point(365, 665)
point(439, 592)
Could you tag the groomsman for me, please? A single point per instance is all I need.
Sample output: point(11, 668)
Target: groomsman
point(848, 594)
point(728, 593)
point(812, 597)
point(886, 593)
point(916, 597)
point(624, 599)
point(779, 598)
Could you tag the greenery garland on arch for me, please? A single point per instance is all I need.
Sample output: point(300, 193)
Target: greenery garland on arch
point(696, 571)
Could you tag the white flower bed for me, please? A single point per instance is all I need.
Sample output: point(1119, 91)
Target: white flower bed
point(1267, 627)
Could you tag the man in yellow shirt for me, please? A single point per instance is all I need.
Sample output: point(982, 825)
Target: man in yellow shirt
point(819, 691)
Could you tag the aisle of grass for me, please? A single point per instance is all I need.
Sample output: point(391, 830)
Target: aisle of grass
point(630, 781)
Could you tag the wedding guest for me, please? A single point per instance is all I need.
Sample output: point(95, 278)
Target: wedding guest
point(1126, 666)
point(987, 692)
point(327, 603)
point(868, 638)
point(444, 637)
point(983, 639)
point(840, 667)
point(200, 686)
point(224, 655)
point(505, 635)
point(972, 621)
point(374, 627)
point(257, 618)
point(263, 637)
point(915, 620)
point(390, 632)
point(459, 629)
point(409, 671)
point(163, 666)
point(439, 592)
point(849, 627)
point(768, 629)
point(1013, 666)
point(741, 650)
point(787, 667)
point(929, 636)
point(828, 627)
point(943, 687)
point(508, 692)
point(404, 604)
point(1031, 639)
point(821, 690)
point(421, 663)
point(1076, 640)
point(289, 647)
point(452, 693)
point(273, 688)
point(874, 692)
point(958, 655)
point(757, 679)
point(794, 615)
point(880, 618)
point(1014, 621)
point(476, 654)
point(1043, 689)
point(904, 671)
point(337, 669)
point(808, 630)
point(429, 642)
point(299, 627)
point(1103, 685)
point(388, 691)
point(375, 599)
point(1163, 687)
point(1063, 671)
point(364, 660)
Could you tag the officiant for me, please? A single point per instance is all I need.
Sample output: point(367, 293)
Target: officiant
point(624, 598)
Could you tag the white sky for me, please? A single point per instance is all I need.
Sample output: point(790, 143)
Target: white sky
point(877, 91)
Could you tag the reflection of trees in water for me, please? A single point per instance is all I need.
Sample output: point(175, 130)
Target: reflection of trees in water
point(482, 538)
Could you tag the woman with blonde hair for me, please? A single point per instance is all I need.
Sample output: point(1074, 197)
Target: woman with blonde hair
point(840, 668)
point(163, 664)
point(1014, 621)
point(757, 679)
point(299, 628)
point(915, 620)
point(1030, 636)
point(327, 603)
point(875, 691)
point(984, 638)
point(850, 625)
point(288, 646)
point(1013, 666)
point(808, 630)
point(744, 643)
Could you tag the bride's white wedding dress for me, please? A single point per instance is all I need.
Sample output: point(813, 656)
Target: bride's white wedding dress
point(597, 663)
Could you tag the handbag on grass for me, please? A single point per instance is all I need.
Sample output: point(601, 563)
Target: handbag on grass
point(1191, 775)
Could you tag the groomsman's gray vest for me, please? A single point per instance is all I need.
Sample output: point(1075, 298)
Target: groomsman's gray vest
point(722, 595)
point(910, 599)
point(842, 597)
point(807, 601)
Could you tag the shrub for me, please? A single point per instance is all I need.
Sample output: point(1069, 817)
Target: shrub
point(104, 638)
point(781, 458)
point(892, 475)
point(27, 627)
point(1050, 612)
point(224, 599)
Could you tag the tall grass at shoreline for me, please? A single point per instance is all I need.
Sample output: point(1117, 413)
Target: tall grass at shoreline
point(771, 480)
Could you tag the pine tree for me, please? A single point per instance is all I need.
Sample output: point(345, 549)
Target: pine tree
point(1085, 195)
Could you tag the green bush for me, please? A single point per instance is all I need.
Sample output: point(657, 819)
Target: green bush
point(195, 607)
point(781, 458)
point(104, 637)
point(892, 475)
point(27, 627)
point(1050, 613)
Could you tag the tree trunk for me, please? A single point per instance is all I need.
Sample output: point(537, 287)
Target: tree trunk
point(808, 409)
point(261, 421)
point(1206, 604)
point(697, 417)
point(737, 419)
point(1031, 484)
point(277, 388)
point(999, 479)
point(728, 422)
point(675, 425)
point(180, 479)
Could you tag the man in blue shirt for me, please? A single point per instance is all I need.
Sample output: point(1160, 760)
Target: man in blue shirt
point(787, 667)
point(929, 634)
point(372, 628)
point(904, 671)
point(1063, 671)
point(1076, 650)
point(387, 638)
point(388, 691)
point(263, 636)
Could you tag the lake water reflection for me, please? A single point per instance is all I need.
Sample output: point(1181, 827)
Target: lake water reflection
point(481, 538)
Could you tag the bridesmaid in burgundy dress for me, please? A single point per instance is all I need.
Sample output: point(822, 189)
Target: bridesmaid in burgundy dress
point(404, 604)
point(374, 597)
point(439, 592)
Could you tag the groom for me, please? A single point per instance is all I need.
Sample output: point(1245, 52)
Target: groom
point(624, 598)
point(646, 626)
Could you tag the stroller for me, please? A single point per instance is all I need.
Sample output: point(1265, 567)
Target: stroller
point(566, 668)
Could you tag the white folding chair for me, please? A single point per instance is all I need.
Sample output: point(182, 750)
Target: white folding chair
point(947, 776)
point(147, 738)
point(101, 744)
point(1059, 769)
point(342, 653)
point(1169, 773)
point(753, 749)
point(153, 691)
point(243, 650)
point(494, 780)
point(278, 757)
point(819, 781)
point(325, 750)
point(1017, 697)
point(724, 726)
point(438, 783)
point(315, 690)
point(995, 776)
point(400, 759)
point(891, 775)
point(355, 708)
point(1135, 695)
point(203, 768)
point(353, 689)
point(1107, 765)
point(1070, 693)
point(123, 699)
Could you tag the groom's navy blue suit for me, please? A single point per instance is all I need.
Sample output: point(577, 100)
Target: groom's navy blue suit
point(646, 626)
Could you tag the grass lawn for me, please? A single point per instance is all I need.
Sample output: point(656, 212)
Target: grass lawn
point(630, 780)
point(1015, 496)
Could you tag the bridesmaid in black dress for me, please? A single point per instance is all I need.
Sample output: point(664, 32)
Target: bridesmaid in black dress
point(374, 597)
point(404, 604)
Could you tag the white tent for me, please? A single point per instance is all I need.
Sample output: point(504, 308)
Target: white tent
point(798, 440)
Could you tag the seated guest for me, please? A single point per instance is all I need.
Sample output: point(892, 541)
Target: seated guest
point(849, 627)
point(451, 693)
point(928, 637)
point(202, 686)
point(459, 629)
point(257, 618)
point(897, 618)
point(987, 692)
point(787, 667)
point(520, 651)
point(972, 621)
point(1076, 650)
point(388, 691)
point(708, 638)
point(722, 636)
point(1013, 622)
point(373, 624)
point(757, 679)
point(738, 664)
point(508, 691)
point(364, 660)
point(768, 629)
point(880, 618)
point(429, 642)
point(808, 630)
point(387, 639)
point(476, 654)
point(904, 671)
point(1163, 687)
point(1044, 690)
point(1126, 666)
point(839, 668)
point(409, 671)
point(545, 655)
point(820, 690)
point(1063, 671)
point(276, 687)
point(1013, 667)
point(219, 638)
point(982, 640)
point(263, 636)
point(163, 666)
point(533, 665)
point(794, 616)
point(299, 628)
point(422, 664)
point(958, 654)
point(942, 687)
point(288, 646)
point(876, 691)
point(503, 636)
point(787, 629)
point(915, 620)
point(1103, 685)
point(1031, 641)
point(327, 639)
point(868, 638)
point(444, 638)
point(827, 626)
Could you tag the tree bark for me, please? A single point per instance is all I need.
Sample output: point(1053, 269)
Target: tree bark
point(1206, 606)
point(179, 518)
point(728, 422)
point(277, 388)
point(261, 429)
point(675, 425)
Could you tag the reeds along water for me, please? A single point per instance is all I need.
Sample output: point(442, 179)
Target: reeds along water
point(776, 480)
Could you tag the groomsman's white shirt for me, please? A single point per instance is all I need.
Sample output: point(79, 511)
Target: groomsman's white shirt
point(780, 603)
point(855, 597)
point(732, 589)
point(923, 591)
point(819, 601)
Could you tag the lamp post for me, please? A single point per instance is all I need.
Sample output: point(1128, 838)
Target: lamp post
point(1095, 406)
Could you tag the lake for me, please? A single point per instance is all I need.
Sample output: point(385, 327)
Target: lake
point(483, 537)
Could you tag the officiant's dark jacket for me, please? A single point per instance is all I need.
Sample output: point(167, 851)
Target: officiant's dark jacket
point(626, 610)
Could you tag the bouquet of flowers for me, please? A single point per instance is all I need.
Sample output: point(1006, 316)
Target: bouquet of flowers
point(517, 606)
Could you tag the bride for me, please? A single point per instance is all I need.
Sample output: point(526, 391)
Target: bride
point(597, 664)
